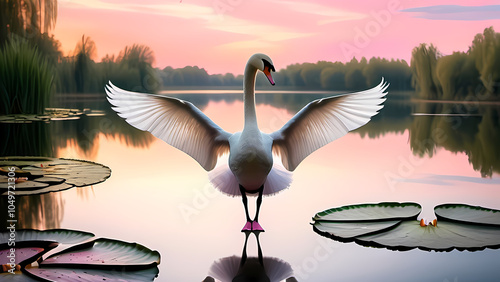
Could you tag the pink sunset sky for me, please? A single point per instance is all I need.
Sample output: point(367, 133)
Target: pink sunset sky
point(220, 35)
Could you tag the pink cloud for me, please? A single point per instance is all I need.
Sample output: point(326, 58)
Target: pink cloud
point(220, 35)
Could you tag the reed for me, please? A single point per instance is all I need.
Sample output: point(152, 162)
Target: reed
point(26, 79)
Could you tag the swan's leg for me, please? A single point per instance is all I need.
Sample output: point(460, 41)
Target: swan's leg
point(244, 253)
point(248, 225)
point(261, 258)
point(255, 224)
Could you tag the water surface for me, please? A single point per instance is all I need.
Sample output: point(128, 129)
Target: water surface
point(161, 198)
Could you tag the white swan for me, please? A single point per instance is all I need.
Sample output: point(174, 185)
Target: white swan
point(250, 168)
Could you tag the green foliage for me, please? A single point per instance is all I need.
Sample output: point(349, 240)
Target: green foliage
point(140, 58)
point(485, 51)
point(333, 77)
point(48, 46)
point(132, 70)
point(423, 65)
point(85, 51)
point(26, 18)
point(311, 74)
point(354, 75)
point(26, 79)
point(459, 76)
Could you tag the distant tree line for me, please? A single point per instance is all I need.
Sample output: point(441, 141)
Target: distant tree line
point(131, 69)
point(353, 75)
point(458, 76)
point(474, 74)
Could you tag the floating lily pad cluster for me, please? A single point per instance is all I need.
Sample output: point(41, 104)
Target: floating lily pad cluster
point(50, 114)
point(68, 255)
point(395, 226)
point(36, 175)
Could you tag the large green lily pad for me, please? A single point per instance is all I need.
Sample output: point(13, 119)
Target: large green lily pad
point(77, 257)
point(36, 175)
point(105, 253)
point(71, 275)
point(395, 226)
point(465, 213)
point(63, 236)
point(370, 212)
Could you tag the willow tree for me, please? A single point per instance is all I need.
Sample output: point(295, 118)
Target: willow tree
point(84, 55)
point(485, 50)
point(423, 65)
point(26, 18)
point(141, 58)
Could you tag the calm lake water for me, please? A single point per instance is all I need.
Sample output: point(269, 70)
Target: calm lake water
point(428, 153)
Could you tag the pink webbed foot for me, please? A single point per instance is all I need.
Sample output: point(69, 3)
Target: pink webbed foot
point(256, 226)
point(247, 227)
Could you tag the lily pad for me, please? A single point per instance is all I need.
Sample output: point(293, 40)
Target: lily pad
point(21, 254)
point(461, 227)
point(71, 275)
point(31, 244)
point(49, 115)
point(50, 180)
point(370, 212)
point(50, 174)
point(63, 236)
point(25, 186)
point(465, 213)
point(48, 189)
point(349, 230)
point(77, 258)
point(105, 253)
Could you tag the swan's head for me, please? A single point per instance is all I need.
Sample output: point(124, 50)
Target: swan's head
point(263, 63)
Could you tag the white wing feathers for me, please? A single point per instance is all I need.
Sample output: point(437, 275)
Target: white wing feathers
point(324, 120)
point(177, 122)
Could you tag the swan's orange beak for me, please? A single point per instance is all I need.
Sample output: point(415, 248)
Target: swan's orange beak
point(267, 72)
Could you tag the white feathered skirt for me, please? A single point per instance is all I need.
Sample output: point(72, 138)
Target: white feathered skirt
point(223, 179)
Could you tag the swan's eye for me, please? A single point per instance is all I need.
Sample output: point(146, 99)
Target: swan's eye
point(268, 65)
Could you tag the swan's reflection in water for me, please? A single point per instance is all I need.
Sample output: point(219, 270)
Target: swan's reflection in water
point(246, 269)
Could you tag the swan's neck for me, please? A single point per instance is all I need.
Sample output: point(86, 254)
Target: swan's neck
point(249, 96)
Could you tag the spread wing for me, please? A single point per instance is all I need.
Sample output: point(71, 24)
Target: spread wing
point(324, 120)
point(177, 122)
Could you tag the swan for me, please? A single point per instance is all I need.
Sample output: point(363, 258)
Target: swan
point(251, 168)
point(244, 268)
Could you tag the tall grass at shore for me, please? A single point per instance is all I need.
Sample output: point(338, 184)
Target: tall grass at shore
point(26, 79)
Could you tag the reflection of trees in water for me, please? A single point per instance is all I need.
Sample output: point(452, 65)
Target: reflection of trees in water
point(485, 154)
point(45, 139)
point(463, 128)
point(395, 117)
point(84, 133)
point(25, 139)
point(43, 211)
point(474, 133)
